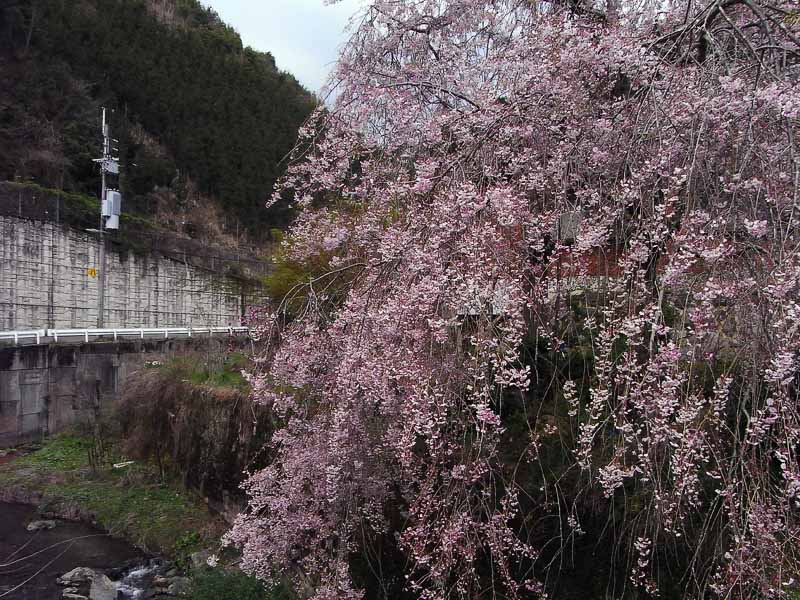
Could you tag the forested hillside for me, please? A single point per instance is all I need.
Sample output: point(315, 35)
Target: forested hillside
point(202, 121)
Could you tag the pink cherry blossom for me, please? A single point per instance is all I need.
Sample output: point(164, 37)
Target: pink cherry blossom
point(562, 299)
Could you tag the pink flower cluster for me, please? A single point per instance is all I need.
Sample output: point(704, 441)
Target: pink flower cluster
point(505, 183)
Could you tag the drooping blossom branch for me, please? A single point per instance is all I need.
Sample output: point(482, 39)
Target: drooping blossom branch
point(562, 281)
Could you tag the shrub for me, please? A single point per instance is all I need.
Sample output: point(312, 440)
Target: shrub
point(216, 584)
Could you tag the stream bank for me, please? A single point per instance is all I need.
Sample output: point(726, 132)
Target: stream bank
point(33, 560)
point(150, 538)
point(156, 515)
point(116, 522)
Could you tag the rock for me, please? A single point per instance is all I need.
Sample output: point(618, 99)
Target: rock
point(102, 588)
point(199, 559)
point(71, 590)
point(127, 591)
point(171, 573)
point(37, 525)
point(124, 569)
point(77, 576)
point(179, 586)
point(73, 597)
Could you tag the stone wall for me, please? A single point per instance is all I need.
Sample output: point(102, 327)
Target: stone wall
point(49, 279)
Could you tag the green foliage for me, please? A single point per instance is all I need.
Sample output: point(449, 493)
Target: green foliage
point(224, 371)
point(285, 275)
point(184, 546)
point(218, 584)
point(75, 209)
point(79, 210)
point(286, 282)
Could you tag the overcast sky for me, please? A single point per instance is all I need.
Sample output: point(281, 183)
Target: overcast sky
point(303, 35)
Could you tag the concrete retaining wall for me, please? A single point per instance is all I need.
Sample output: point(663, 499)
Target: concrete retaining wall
point(45, 389)
point(49, 279)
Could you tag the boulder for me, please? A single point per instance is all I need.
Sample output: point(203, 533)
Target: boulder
point(200, 559)
point(179, 586)
point(37, 525)
point(77, 576)
point(102, 588)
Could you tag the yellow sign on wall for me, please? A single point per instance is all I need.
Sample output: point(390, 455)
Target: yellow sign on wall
point(91, 272)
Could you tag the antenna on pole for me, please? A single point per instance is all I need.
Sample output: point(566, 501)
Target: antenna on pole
point(110, 199)
point(110, 210)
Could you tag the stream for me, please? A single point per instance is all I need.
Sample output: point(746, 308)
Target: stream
point(32, 561)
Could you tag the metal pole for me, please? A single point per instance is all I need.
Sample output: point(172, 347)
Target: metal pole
point(101, 275)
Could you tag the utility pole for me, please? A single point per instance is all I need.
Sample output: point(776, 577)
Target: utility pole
point(110, 209)
point(101, 276)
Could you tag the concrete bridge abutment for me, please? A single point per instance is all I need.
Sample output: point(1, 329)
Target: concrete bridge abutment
point(48, 388)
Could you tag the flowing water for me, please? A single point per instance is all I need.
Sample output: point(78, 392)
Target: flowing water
point(30, 562)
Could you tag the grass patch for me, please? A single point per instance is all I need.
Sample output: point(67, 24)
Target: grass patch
point(219, 372)
point(63, 453)
point(131, 502)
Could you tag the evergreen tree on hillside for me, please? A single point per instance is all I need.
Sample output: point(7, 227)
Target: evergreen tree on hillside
point(225, 113)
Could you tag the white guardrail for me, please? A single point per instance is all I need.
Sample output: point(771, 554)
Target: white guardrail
point(46, 336)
